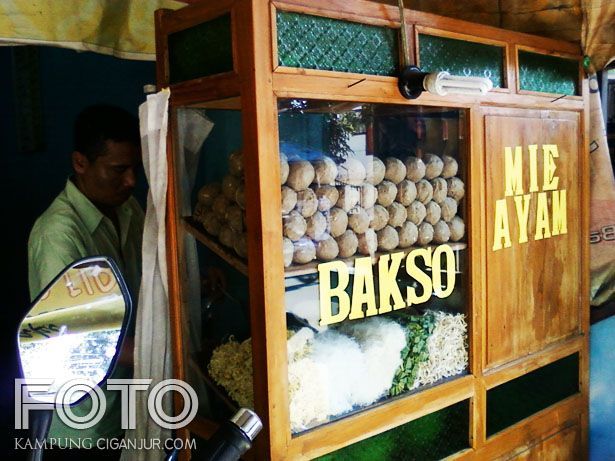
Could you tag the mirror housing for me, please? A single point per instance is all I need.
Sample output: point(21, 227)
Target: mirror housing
point(75, 328)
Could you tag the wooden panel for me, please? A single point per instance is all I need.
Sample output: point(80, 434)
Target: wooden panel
point(476, 197)
point(463, 455)
point(177, 321)
point(312, 267)
point(198, 13)
point(459, 36)
point(511, 370)
point(362, 425)
point(563, 446)
point(532, 287)
point(382, 14)
point(478, 404)
point(213, 88)
point(533, 429)
point(320, 84)
point(162, 50)
point(585, 275)
point(516, 69)
point(504, 327)
point(265, 261)
point(191, 226)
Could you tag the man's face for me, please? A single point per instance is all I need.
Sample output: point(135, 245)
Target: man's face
point(109, 180)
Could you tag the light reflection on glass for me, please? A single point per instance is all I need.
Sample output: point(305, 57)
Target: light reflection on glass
point(73, 330)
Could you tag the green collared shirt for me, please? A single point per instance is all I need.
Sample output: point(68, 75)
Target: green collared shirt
point(70, 229)
point(73, 228)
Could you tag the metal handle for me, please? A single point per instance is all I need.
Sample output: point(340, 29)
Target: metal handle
point(248, 421)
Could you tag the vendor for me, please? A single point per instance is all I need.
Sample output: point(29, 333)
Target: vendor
point(95, 214)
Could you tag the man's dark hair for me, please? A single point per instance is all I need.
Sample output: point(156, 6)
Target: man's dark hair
point(97, 124)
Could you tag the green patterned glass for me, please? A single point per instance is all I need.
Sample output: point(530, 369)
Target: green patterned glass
point(312, 42)
point(526, 395)
point(431, 437)
point(459, 57)
point(548, 74)
point(202, 50)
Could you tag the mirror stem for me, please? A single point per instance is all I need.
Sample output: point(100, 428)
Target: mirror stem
point(40, 422)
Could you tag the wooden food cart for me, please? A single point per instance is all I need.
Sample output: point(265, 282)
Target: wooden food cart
point(402, 279)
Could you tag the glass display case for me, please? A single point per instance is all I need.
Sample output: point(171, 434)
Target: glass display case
point(212, 200)
point(374, 240)
point(336, 245)
point(374, 246)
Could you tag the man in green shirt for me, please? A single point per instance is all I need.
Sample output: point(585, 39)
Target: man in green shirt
point(95, 214)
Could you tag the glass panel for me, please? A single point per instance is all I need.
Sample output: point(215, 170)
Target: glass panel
point(215, 293)
point(434, 436)
point(202, 50)
point(375, 252)
point(548, 74)
point(313, 42)
point(459, 57)
point(515, 400)
point(74, 330)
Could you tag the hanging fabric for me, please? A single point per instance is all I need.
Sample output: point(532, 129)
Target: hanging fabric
point(602, 206)
point(121, 28)
point(152, 354)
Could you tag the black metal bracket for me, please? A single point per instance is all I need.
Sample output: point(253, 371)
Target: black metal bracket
point(410, 82)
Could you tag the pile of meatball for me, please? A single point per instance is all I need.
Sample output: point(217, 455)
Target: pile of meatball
point(332, 210)
point(221, 208)
point(337, 210)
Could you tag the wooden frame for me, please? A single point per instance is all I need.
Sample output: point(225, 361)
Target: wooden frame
point(559, 54)
point(459, 36)
point(255, 84)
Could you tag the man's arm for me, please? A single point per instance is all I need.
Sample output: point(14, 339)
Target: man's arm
point(126, 356)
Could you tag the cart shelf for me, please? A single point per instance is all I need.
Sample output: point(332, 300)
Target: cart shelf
point(300, 269)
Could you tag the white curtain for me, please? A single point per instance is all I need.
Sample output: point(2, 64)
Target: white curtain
point(152, 355)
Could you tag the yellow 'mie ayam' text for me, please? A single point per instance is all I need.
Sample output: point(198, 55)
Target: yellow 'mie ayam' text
point(549, 222)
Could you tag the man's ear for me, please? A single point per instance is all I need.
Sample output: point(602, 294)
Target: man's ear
point(80, 162)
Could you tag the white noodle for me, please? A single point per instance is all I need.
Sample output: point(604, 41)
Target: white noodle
point(447, 348)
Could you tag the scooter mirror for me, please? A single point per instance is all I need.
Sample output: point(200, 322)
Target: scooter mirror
point(75, 328)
